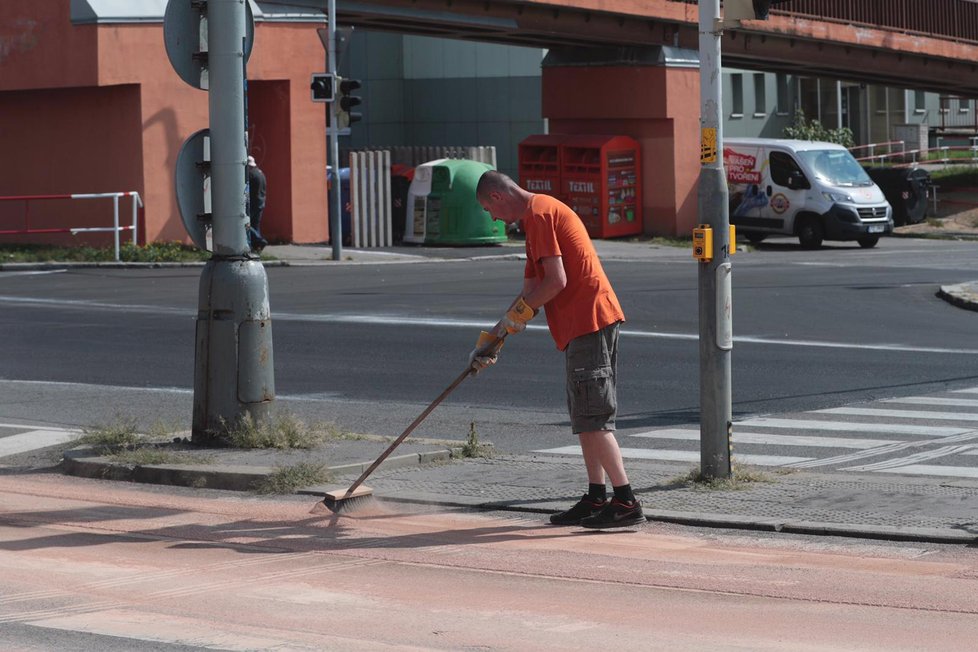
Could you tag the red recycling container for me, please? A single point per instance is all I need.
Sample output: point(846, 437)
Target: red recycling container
point(539, 164)
point(601, 180)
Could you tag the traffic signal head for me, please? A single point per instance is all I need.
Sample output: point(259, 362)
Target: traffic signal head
point(322, 87)
point(347, 86)
point(348, 102)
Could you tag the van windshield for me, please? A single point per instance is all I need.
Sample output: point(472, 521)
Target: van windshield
point(835, 167)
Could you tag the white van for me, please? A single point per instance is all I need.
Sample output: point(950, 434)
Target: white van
point(815, 191)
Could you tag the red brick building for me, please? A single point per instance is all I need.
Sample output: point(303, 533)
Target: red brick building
point(89, 103)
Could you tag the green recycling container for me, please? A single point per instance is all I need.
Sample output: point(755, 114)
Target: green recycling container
point(454, 216)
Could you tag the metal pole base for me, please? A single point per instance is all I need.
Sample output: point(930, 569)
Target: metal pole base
point(233, 370)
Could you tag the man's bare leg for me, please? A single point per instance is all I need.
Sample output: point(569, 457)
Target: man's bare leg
point(602, 455)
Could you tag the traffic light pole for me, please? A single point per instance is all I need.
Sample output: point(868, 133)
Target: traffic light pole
point(233, 370)
point(715, 330)
point(335, 212)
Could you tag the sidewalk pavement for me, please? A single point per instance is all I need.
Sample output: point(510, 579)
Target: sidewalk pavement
point(433, 472)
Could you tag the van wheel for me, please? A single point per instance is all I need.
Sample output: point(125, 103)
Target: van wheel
point(868, 241)
point(755, 238)
point(810, 233)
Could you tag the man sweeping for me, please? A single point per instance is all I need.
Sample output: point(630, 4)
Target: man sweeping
point(564, 276)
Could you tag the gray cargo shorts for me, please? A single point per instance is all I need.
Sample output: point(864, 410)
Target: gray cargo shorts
point(592, 364)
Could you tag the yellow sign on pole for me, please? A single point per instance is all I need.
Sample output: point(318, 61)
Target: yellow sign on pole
point(708, 145)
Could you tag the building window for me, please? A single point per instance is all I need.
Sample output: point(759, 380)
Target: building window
point(880, 99)
point(919, 101)
point(784, 97)
point(964, 105)
point(737, 96)
point(760, 95)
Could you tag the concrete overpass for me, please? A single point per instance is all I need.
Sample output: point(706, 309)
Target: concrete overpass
point(930, 45)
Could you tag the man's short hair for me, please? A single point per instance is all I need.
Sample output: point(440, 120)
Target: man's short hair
point(493, 181)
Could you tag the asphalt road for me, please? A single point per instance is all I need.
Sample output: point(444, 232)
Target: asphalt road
point(369, 345)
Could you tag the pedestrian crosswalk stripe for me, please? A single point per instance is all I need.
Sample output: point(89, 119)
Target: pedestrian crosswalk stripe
point(932, 400)
point(970, 390)
point(846, 426)
point(968, 435)
point(35, 439)
point(933, 469)
point(683, 456)
point(902, 414)
point(770, 438)
point(24, 426)
point(922, 456)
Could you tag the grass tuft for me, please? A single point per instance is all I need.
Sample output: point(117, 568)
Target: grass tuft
point(286, 479)
point(112, 436)
point(149, 455)
point(741, 478)
point(282, 431)
point(667, 241)
point(472, 447)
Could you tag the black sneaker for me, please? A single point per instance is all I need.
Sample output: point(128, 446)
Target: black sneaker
point(585, 507)
point(616, 513)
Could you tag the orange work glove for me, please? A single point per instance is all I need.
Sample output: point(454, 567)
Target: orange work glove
point(516, 317)
point(486, 351)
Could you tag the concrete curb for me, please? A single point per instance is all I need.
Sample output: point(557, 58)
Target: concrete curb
point(82, 462)
point(962, 295)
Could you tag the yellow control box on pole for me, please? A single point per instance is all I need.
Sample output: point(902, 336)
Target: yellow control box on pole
point(703, 243)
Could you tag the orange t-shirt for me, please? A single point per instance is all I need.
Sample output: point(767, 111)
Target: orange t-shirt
point(588, 303)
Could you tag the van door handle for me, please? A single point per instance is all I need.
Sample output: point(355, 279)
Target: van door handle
point(769, 191)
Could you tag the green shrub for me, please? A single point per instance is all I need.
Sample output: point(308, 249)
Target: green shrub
point(804, 129)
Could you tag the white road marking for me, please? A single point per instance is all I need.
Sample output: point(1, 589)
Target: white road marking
point(845, 426)
point(885, 450)
point(929, 400)
point(922, 456)
point(902, 414)
point(933, 469)
point(771, 439)
point(37, 272)
point(438, 322)
point(318, 396)
point(683, 456)
point(35, 439)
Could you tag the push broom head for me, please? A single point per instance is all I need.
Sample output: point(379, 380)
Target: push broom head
point(344, 500)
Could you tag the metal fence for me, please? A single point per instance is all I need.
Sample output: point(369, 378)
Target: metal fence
point(416, 155)
point(370, 199)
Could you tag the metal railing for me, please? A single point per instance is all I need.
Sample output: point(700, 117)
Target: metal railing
point(949, 19)
point(115, 229)
point(940, 154)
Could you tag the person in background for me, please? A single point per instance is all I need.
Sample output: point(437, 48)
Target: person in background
point(564, 276)
point(256, 205)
